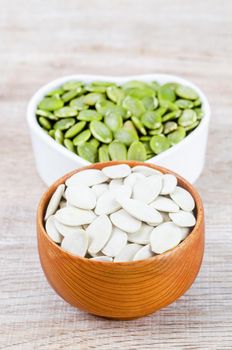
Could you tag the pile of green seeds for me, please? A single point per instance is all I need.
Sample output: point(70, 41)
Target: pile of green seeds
point(101, 121)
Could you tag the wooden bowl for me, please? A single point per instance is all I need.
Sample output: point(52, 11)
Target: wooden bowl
point(122, 290)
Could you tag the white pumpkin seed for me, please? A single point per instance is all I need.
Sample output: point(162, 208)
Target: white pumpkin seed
point(106, 204)
point(144, 253)
point(142, 236)
point(183, 198)
point(140, 210)
point(145, 170)
point(87, 177)
point(146, 190)
point(64, 230)
point(165, 237)
point(71, 216)
point(102, 258)
point(165, 204)
point(169, 184)
point(52, 230)
point(183, 218)
point(81, 196)
point(125, 221)
point(76, 243)
point(185, 232)
point(54, 201)
point(133, 178)
point(100, 189)
point(115, 183)
point(116, 242)
point(128, 252)
point(116, 171)
point(99, 232)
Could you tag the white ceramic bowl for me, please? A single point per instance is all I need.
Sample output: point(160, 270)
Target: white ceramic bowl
point(54, 160)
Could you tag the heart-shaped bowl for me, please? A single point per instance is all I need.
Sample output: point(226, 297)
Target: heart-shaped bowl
point(122, 290)
point(54, 160)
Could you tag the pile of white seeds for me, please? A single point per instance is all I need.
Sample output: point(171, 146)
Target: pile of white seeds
point(119, 213)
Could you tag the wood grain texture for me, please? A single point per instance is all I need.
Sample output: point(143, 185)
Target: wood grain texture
point(122, 290)
point(42, 40)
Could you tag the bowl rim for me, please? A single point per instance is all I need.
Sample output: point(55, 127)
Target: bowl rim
point(87, 78)
point(192, 235)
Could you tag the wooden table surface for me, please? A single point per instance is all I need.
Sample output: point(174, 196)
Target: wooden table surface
point(42, 40)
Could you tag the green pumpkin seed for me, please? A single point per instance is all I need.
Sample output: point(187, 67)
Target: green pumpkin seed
point(59, 137)
point(159, 143)
point(134, 84)
point(170, 106)
point(69, 145)
point(103, 154)
point(186, 92)
point(148, 103)
point(117, 151)
point(74, 130)
point(56, 92)
point(134, 106)
point(79, 103)
point(193, 126)
point(93, 97)
point(147, 146)
point(154, 85)
point(52, 133)
point(100, 131)
point(65, 112)
point(89, 115)
point(103, 83)
point(115, 94)
point(45, 114)
point(184, 104)
point(140, 93)
point(152, 119)
point(69, 95)
point(113, 121)
point(139, 126)
point(197, 103)
point(64, 124)
point(82, 137)
point(145, 138)
point(95, 88)
point(187, 118)
point(166, 93)
point(118, 110)
point(137, 151)
point(157, 131)
point(72, 85)
point(142, 106)
point(87, 152)
point(103, 106)
point(177, 135)
point(199, 113)
point(169, 127)
point(50, 104)
point(95, 143)
point(45, 123)
point(171, 85)
point(126, 136)
point(171, 116)
point(129, 125)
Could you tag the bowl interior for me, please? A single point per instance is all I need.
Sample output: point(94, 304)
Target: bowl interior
point(199, 211)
